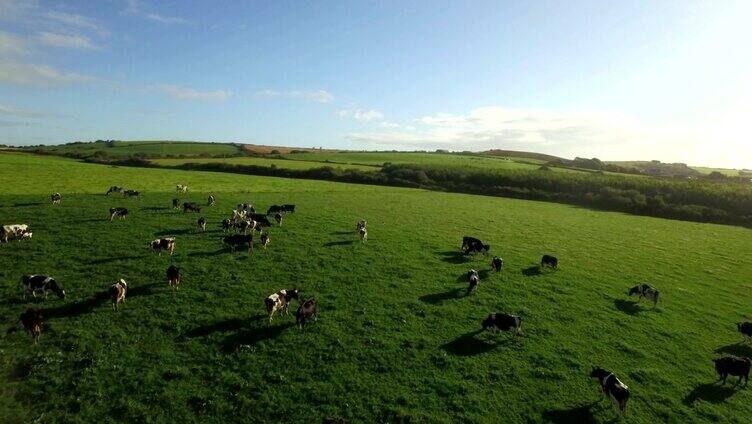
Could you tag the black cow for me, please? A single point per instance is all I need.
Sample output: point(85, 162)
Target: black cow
point(176, 203)
point(646, 291)
point(497, 263)
point(274, 209)
point(278, 218)
point(114, 189)
point(173, 276)
point(288, 208)
point(226, 225)
point(549, 261)
point(306, 310)
point(131, 193)
point(467, 240)
point(191, 207)
point(745, 328)
point(503, 322)
point(261, 219)
point(202, 224)
point(733, 365)
point(477, 247)
point(43, 284)
point(118, 213)
point(239, 240)
point(473, 278)
point(611, 387)
point(32, 321)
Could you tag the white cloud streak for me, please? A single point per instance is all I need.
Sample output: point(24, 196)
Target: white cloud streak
point(316, 96)
point(361, 115)
point(27, 74)
point(133, 8)
point(12, 45)
point(187, 93)
point(9, 110)
point(65, 41)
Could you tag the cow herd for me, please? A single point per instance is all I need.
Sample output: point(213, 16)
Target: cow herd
point(245, 222)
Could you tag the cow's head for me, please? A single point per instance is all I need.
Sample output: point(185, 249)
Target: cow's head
point(55, 287)
point(634, 290)
point(489, 321)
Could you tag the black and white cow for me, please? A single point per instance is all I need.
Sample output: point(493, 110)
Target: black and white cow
point(131, 193)
point(733, 365)
point(274, 209)
point(56, 198)
point(239, 240)
point(363, 234)
point(245, 226)
point(245, 207)
point(288, 208)
point(117, 293)
point(549, 261)
point(181, 188)
point(476, 246)
point(646, 291)
point(745, 328)
point(497, 264)
point(260, 219)
point(160, 244)
point(503, 322)
point(176, 203)
point(361, 224)
point(611, 387)
point(202, 224)
point(191, 207)
point(118, 213)
point(226, 225)
point(278, 218)
point(306, 311)
point(473, 279)
point(32, 321)
point(114, 189)
point(41, 283)
point(211, 201)
point(173, 276)
point(279, 302)
point(265, 240)
point(13, 232)
point(467, 241)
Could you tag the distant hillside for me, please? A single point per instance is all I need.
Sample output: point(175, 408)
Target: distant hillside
point(145, 149)
point(516, 154)
point(659, 169)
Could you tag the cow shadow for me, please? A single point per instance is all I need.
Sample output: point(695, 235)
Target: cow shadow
point(469, 344)
point(144, 290)
point(437, 298)
point(224, 326)
point(342, 233)
point(155, 208)
point(737, 349)
point(579, 414)
point(27, 204)
point(709, 392)
point(454, 257)
point(115, 259)
point(209, 254)
point(253, 336)
point(163, 233)
point(339, 243)
point(627, 306)
point(532, 271)
point(86, 306)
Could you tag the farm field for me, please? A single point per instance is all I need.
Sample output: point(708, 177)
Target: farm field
point(396, 339)
point(438, 159)
point(261, 161)
point(146, 148)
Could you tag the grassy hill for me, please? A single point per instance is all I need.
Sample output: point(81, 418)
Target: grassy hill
point(142, 148)
point(396, 341)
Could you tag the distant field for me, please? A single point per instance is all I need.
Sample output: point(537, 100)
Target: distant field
point(260, 161)
point(724, 171)
point(438, 159)
point(396, 341)
point(146, 148)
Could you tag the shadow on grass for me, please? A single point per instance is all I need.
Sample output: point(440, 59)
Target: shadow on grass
point(208, 254)
point(469, 344)
point(172, 232)
point(20, 370)
point(86, 306)
point(117, 258)
point(532, 271)
point(627, 306)
point(738, 349)
point(339, 243)
point(155, 208)
point(342, 233)
point(709, 392)
point(579, 414)
point(437, 298)
point(145, 290)
point(231, 324)
point(454, 257)
point(27, 204)
point(253, 336)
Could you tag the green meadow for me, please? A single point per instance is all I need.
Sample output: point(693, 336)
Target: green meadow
point(396, 340)
point(144, 148)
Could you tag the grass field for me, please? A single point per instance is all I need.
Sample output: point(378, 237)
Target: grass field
point(396, 341)
point(146, 148)
point(437, 159)
point(261, 161)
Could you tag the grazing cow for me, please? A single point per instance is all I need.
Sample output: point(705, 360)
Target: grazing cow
point(117, 293)
point(181, 188)
point(745, 328)
point(114, 189)
point(246, 207)
point(239, 240)
point(211, 201)
point(288, 208)
point(279, 301)
point(549, 261)
point(118, 213)
point(363, 234)
point(467, 241)
point(191, 207)
point(265, 240)
point(32, 321)
point(131, 193)
point(176, 203)
point(477, 247)
point(278, 218)
point(26, 235)
point(160, 244)
point(497, 263)
point(13, 231)
point(261, 219)
point(173, 276)
point(43, 284)
point(503, 322)
point(306, 311)
point(274, 209)
point(611, 387)
point(245, 226)
point(202, 224)
point(646, 291)
point(226, 225)
point(56, 198)
point(360, 224)
point(473, 278)
point(733, 365)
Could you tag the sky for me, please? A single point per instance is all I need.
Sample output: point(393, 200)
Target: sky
point(627, 80)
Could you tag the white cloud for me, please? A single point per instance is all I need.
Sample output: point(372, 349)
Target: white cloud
point(361, 115)
point(133, 8)
point(186, 93)
point(17, 73)
point(165, 19)
point(9, 110)
point(65, 41)
point(74, 20)
point(385, 124)
point(317, 96)
point(11, 44)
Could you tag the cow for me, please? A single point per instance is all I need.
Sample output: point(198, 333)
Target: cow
point(181, 188)
point(279, 302)
point(13, 231)
point(118, 213)
point(201, 224)
point(360, 224)
point(131, 193)
point(27, 235)
point(278, 218)
point(211, 201)
point(733, 365)
point(467, 241)
point(503, 322)
point(497, 264)
point(173, 276)
point(549, 261)
point(246, 207)
point(260, 218)
point(245, 226)
point(477, 247)
point(473, 279)
point(191, 207)
point(288, 208)
point(745, 328)
point(32, 321)
point(239, 240)
point(226, 225)
point(646, 291)
point(306, 311)
point(265, 240)
point(56, 198)
point(274, 209)
point(117, 293)
point(611, 387)
point(160, 244)
point(41, 283)
point(114, 189)
point(176, 203)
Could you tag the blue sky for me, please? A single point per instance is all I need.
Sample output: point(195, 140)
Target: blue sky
point(668, 80)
